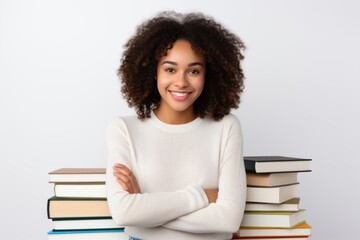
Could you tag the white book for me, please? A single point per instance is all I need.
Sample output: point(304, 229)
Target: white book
point(80, 190)
point(290, 205)
point(278, 194)
point(71, 224)
point(273, 219)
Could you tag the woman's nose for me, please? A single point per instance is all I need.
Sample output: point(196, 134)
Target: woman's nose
point(181, 80)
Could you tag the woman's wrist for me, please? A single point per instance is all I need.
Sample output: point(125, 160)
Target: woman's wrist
point(211, 194)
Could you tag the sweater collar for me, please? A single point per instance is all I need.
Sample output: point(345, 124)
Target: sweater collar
point(174, 127)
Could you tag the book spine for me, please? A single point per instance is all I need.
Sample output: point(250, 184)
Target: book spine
point(250, 166)
point(48, 208)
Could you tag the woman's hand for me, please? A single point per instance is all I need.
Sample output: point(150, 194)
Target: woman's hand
point(126, 178)
point(212, 194)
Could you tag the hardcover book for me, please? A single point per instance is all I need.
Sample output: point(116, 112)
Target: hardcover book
point(271, 194)
point(273, 219)
point(273, 238)
point(80, 190)
point(77, 208)
point(81, 224)
point(302, 230)
point(270, 179)
point(92, 234)
point(272, 164)
point(289, 205)
point(77, 175)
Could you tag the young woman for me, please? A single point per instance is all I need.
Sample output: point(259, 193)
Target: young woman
point(176, 170)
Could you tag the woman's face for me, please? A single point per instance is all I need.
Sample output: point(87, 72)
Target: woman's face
point(180, 79)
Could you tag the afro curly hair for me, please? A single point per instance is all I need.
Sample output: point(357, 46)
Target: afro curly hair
point(222, 50)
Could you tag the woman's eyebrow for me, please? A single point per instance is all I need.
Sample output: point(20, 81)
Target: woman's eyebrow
point(195, 63)
point(189, 65)
point(169, 62)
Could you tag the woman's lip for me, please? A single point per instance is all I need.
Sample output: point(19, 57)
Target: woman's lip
point(179, 91)
point(180, 95)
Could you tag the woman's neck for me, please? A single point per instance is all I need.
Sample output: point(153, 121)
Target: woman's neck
point(175, 117)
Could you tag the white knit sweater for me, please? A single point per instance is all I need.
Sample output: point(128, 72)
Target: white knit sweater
point(173, 164)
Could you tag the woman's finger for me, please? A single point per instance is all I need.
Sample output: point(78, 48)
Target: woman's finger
point(126, 176)
point(123, 185)
point(124, 180)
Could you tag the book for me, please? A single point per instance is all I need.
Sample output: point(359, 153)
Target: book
point(271, 164)
point(77, 175)
point(80, 190)
point(273, 238)
point(91, 234)
point(273, 219)
point(81, 224)
point(271, 194)
point(77, 208)
point(270, 179)
point(289, 205)
point(301, 230)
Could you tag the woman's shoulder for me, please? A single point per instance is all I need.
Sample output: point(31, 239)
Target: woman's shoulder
point(123, 118)
point(231, 122)
point(122, 121)
point(228, 123)
point(229, 119)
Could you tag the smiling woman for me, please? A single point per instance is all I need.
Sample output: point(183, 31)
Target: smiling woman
point(221, 50)
point(176, 170)
point(180, 81)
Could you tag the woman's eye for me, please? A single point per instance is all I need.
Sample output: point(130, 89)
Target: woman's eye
point(170, 70)
point(194, 71)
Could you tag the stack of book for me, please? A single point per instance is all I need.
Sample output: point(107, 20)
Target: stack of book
point(79, 208)
point(272, 204)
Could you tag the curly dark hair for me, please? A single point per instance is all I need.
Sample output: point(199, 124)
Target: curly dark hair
point(222, 50)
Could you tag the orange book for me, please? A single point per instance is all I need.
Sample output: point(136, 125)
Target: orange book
point(77, 208)
point(270, 179)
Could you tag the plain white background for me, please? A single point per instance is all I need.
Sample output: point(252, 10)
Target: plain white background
point(58, 89)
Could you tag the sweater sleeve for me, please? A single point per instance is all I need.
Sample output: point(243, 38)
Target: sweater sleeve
point(144, 209)
point(226, 214)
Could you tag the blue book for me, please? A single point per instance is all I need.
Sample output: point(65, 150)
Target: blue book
point(89, 234)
